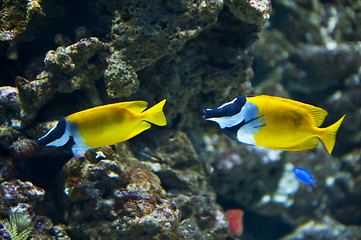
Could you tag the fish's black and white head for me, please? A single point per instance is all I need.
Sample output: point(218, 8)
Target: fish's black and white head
point(232, 113)
point(57, 136)
point(238, 119)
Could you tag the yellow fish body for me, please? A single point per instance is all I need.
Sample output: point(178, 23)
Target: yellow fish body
point(275, 123)
point(104, 125)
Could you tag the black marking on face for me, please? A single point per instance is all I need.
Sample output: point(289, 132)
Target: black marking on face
point(54, 133)
point(227, 110)
point(232, 131)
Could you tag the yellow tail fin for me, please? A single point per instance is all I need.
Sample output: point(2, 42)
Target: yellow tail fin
point(155, 114)
point(329, 135)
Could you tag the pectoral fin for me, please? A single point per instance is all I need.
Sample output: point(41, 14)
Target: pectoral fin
point(257, 123)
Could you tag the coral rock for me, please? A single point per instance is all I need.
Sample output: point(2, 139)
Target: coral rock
point(59, 61)
point(122, 197)
point(149, 31)
point(326, 228)
point(120, 77)
point(251, 11)
point(14, 192)
point(9, 97)
point(45, 229)
point(33, 95)
point(16, 16)
point(184, 176)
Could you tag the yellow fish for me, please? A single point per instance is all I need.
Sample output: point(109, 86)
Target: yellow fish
point(104, 125)
point(274, 122)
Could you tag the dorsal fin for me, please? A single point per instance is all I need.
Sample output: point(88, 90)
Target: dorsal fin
point(136, 106)
point(318, 114)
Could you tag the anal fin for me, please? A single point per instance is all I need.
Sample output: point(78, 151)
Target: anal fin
point(308, 144)
point(142, 126)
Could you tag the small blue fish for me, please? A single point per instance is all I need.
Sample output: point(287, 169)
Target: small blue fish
point(304, 175)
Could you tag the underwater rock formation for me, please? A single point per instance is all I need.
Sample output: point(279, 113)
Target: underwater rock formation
point(163, 196)
point(325, 228)
point(342, 185)
point(312, 48)
point(23, 224)
point(45, 229)
point(251, 11)
point(184, 176)
point(17, 197)
point(9, 97)
point(118, 197)
point(147, 31)
point(208, 69)
point(139, 41)
point(120, 78)
point(24, 148)
point(119, 194)
point(32, 96)
point(16, 16)
point(70, 68)
point(67, 70)
point(9, 114)
point(15, 191)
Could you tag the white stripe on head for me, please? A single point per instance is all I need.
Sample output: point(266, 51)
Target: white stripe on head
point(60, 141)
point(228, 121)
point(56, 136)
point(227, 103)
point(248, 112)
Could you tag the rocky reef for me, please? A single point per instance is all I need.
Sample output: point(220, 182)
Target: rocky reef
point(118, 197)
point(177, 182)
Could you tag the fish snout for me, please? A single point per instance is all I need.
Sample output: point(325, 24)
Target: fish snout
point(207, 113)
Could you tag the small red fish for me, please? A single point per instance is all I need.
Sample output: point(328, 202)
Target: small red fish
point(235, 221)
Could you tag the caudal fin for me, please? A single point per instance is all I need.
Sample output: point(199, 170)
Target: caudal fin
point(155, 114)
point(329, 135)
